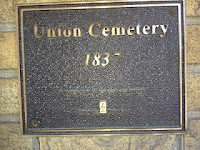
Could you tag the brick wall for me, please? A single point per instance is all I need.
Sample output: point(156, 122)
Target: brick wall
point(10, 137)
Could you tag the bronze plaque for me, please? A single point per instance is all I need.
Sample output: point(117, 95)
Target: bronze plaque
point(102, 67)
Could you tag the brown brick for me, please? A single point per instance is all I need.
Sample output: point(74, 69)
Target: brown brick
point(155, 142)
point(192, 7)
point(11, 139)
point(50, 1)
point(193, 91)
point(9, 96)
point(7, 13)
point(147, 142)
point(8, 55)
point(7, 10)
point(193, 44)
point(192, 139)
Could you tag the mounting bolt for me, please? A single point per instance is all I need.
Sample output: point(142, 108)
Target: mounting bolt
point(172, 120)
point(35, 123)
point(171, 12)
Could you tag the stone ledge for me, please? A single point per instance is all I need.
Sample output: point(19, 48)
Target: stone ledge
point(8, 27)
point(192, 21)
point(193, 115)
point(9, 119)
point(8, 73)
point(193, 68)
point(146, 142)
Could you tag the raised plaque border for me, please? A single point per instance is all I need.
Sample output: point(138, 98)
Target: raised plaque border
point(118, 4)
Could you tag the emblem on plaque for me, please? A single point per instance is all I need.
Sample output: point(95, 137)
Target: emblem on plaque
point(102, 107)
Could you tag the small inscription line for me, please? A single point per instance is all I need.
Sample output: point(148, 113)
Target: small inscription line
point(132, 90)
point(96, 111)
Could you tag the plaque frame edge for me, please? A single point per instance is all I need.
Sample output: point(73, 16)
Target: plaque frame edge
point(178, 131)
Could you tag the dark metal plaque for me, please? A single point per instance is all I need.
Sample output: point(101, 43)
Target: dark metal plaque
point(102, 67)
